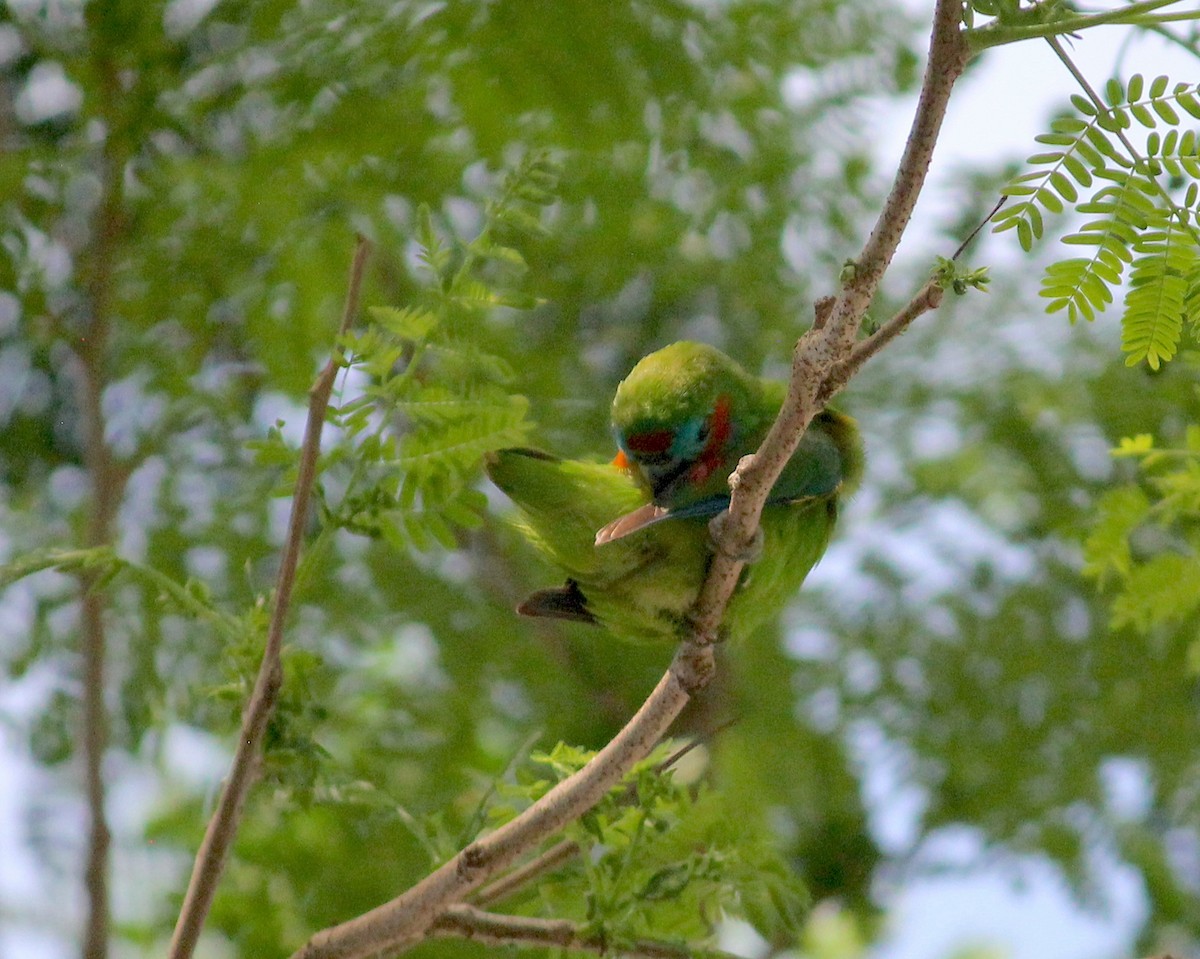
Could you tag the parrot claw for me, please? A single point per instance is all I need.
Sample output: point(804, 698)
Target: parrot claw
point(703, 637)
point(751, 554)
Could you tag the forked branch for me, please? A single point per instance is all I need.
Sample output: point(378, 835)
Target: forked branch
point(433, 906)
point(468, 922)
point(832, 341)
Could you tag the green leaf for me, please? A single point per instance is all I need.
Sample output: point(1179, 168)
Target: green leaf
point(1106, 550)
point(1165, 111)
point(1143, 115)
point(1075, 167)
point(1187, 100)
point(1064, 187)
point(1152, 594)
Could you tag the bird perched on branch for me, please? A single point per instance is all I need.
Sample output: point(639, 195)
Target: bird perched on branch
point(632, 535)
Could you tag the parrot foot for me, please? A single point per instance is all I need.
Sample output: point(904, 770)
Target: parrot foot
point(751, 554)
point(695, 668)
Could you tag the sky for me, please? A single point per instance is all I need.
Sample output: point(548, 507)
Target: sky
point(1027, 912)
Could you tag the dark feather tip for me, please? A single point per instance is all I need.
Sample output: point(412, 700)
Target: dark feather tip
point(559, 602)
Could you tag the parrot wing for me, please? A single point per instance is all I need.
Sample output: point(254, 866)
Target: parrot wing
point(562, 504)
point(638, 587)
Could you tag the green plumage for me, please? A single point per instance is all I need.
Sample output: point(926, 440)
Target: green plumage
point(684, 417)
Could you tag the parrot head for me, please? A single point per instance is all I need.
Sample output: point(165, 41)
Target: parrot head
point(675, 417)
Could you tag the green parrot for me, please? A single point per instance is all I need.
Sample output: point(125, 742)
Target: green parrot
point(632, 535)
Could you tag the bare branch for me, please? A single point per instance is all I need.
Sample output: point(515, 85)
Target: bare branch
point(214, 850)
point(95, 741)
point(948, 55)
point(468, 922)
point(833, 341)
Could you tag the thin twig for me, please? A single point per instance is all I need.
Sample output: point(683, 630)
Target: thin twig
point(468, 922)
point(214, 850)
point(475, 822)
point(702, 739)
point(978, 229)
point(560, 853)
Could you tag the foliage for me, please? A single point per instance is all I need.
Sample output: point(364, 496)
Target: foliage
point(255, 139)
point(712, 170)
point(1131, 217)
point(436, 399)
point(661, 858)
point(1143, 544)
point(950, 276)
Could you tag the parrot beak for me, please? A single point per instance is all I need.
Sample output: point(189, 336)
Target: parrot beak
point(639, 519)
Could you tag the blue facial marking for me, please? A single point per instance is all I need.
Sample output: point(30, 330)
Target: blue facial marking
point(620, 441)
point(688, 443)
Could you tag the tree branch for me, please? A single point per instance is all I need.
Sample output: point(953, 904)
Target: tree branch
point(406, 919)
point(468, 922)
point(558, 854)
point(107, 482)
point(928, 298)
point(214, 850)
point(413, 915)
point(832, 341)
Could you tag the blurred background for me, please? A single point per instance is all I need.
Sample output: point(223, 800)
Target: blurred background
point(959, 752)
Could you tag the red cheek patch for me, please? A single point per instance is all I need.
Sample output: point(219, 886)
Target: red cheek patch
point(656, 441)
point(720, 429)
